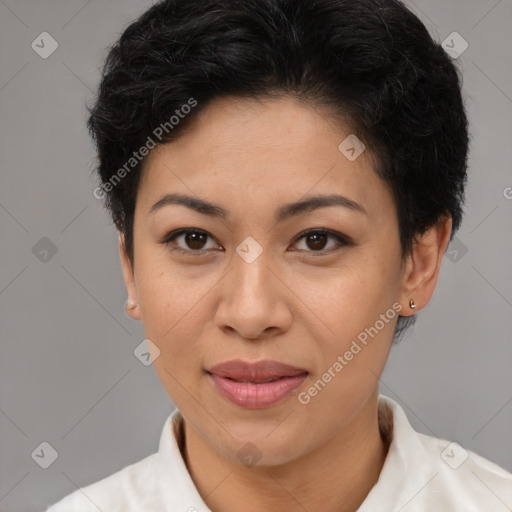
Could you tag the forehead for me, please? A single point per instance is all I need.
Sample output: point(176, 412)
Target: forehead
point(263, 150)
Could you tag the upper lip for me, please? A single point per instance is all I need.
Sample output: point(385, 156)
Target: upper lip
point(238, 369)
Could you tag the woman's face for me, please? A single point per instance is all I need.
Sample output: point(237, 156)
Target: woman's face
point(249, 286)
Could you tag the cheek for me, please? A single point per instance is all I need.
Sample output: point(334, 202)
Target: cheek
point(358, 305)
point(352, 298)
point(352, 359)
point(170, 294)
point(172, 306)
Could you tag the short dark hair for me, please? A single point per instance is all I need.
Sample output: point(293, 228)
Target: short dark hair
point(372, 63)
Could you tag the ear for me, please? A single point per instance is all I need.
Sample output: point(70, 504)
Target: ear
point(423, 265)
point(129, 279)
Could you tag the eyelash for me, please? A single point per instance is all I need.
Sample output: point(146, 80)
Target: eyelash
point(342, 240)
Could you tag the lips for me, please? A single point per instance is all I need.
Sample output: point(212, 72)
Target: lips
point(261, 371)
point(256, 385)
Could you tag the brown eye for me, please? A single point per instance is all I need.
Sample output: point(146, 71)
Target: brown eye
point(316, 241)
point(195, 240)
point(192, 240)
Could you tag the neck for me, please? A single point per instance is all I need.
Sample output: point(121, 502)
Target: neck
point(339, 474)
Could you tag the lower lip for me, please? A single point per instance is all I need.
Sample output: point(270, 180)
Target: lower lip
point(257, 396)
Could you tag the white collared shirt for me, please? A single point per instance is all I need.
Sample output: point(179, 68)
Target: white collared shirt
point(420, 474)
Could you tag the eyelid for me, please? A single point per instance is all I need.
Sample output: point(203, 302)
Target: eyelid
point(168, 239)
point(343, 240)
point(340, 237)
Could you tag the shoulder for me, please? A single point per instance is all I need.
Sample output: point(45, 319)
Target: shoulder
point(158, 483)
point(464, 478)
point(123, 491)
point(423, 473)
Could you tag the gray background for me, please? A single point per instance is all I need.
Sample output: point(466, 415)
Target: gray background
point(68, 373)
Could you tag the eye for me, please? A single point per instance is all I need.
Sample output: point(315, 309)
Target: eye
point(317, 240)
point(194, 241)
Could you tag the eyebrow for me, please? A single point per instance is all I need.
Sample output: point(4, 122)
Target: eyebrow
point(284, 212)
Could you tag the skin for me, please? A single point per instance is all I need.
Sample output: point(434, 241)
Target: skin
point(298, 303)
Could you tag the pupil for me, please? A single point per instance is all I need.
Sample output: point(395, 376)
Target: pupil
point(316, 243)
point(193, 240)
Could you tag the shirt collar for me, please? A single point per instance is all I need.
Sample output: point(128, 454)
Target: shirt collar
point(399, 480)
point(406, 465)
point(176, 485)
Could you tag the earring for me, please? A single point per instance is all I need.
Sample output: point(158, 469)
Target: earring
point(412, 304)
point(130, 305)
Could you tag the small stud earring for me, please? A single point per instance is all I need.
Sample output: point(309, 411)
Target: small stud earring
point(130, 305)
point(412, 304)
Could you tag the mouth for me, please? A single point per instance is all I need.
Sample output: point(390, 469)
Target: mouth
point(256, 385)
point(257, 381)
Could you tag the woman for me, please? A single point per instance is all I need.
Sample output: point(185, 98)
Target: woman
point(285, 177)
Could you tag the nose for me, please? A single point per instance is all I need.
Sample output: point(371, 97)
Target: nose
point(254, 300)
